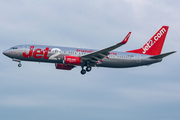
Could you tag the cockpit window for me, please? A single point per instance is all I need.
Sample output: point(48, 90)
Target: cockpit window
point(13, 48)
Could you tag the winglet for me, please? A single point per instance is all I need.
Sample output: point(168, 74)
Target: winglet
point(126, 39)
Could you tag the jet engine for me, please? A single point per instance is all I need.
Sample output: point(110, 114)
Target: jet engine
point(72, 60)
point(63, 66)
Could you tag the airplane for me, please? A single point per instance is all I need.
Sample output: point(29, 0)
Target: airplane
point(67, 58)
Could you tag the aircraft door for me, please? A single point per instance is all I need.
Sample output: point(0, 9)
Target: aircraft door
point(138, 60)
point(18, 52)
point(25, 48)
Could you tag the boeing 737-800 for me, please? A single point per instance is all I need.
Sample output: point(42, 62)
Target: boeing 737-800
point(66, 58)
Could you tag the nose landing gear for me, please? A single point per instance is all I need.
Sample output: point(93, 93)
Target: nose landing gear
point(17, 60)
point(19, 65)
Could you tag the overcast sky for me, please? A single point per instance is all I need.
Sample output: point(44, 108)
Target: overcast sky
point(40, 92)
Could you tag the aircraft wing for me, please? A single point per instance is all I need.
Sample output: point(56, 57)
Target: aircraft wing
point(99, 55)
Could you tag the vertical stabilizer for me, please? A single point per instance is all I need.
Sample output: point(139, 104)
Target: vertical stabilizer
point(155, 44)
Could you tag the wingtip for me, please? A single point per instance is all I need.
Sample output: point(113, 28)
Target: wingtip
point(174, 51)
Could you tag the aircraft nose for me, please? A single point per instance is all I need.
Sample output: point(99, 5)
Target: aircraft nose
point(5, 52)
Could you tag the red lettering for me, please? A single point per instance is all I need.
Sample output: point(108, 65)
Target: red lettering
point(38, 53)
point(46, 53)
point(30, 52)
point(113, 53)
point(88, 51)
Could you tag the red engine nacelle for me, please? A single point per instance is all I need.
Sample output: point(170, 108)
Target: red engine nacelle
point(63, 66)
point(73, 60)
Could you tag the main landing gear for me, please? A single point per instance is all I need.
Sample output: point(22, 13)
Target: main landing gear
point(88, 69)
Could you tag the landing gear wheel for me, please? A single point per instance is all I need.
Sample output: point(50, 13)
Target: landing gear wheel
point(19, 65)
point(88, 69)
point(83, 71)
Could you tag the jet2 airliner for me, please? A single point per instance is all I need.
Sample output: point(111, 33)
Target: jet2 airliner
point(66, 58)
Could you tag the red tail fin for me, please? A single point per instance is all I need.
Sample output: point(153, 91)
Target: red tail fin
point(155, 44)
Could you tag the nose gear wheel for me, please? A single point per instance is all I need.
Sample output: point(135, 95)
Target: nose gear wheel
point(19, 65)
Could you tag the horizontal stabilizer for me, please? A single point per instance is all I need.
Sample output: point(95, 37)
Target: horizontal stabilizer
point(162, 55)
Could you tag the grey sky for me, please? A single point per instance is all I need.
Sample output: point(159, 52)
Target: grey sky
point(39, 91)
